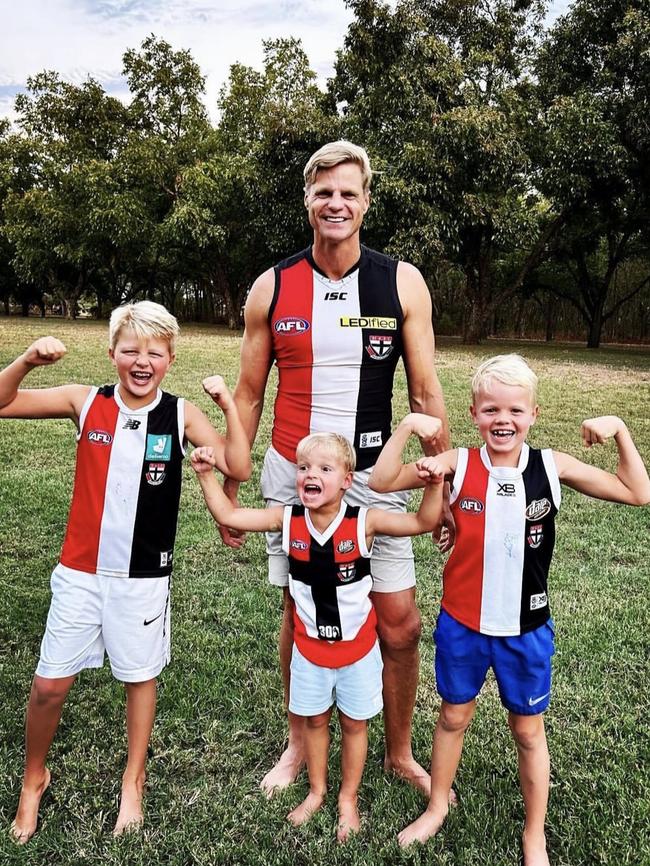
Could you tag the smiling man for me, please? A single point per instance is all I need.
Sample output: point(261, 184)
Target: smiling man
point(336, 318)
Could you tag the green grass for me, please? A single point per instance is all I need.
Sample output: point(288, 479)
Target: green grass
point(220, 721)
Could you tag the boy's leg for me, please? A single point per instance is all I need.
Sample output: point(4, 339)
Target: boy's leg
point(354, 748)
point(316, 742)
point(140, 715)
point(447, 748)
point(292, 760)
point(46, 701)
point(534, 774)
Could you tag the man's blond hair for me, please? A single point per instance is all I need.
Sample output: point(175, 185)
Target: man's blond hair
point(507, 369)
point(146, 319)
point(333, 443)
point(335, 153)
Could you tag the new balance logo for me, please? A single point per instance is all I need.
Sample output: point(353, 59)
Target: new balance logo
point(131, 424)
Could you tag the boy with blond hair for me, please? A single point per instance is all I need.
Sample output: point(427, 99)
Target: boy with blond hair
point(335, 654)
point(495, 610)
point(110, 589)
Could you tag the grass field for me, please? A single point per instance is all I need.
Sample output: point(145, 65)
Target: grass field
point(220, 721)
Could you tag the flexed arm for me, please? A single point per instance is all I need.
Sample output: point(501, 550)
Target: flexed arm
point(629, 485)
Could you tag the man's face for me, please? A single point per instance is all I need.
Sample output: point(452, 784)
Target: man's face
point(336, 202)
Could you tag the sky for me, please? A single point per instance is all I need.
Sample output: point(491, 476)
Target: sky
point(81, 38)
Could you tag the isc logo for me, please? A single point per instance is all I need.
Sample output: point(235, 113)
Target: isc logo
point(471, 505)
point(291, 325)
point(336, 296)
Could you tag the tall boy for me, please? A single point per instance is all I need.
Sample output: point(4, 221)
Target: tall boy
point(110, 589)
point(335, 652)
point(495, 609)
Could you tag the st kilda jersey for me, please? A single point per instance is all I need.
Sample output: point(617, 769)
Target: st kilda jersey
point(495, 580)
point(329, 580)
point(127, 486)
point(336, 345)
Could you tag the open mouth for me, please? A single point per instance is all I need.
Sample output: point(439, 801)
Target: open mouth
point(332, 219)
point(502, 434)
point(141, 376)
point(312, 488)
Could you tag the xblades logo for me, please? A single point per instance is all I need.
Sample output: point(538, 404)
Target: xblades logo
point(506, 489)
point(131, 424)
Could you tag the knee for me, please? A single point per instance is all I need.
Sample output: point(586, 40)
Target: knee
point(455, 718)
point(527, 731)
point(50, 691)
point(403, 634)
point(316, 722)
point(350, 727)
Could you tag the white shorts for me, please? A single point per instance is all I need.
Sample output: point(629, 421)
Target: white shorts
point(90, 613)
point(356, 688)
point(391, 565)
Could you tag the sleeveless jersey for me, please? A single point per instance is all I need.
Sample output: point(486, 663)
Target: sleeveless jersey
point(336, 345)
point(329, 581)
point(127, 486)
point(495, 580)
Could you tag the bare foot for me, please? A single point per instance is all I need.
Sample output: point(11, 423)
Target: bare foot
point(412, 773)
point(306, 809)
point(349, 819)
point(421, 830)
point(534, 846)
point(284, 773)
point(130, 816)
point(24, 824)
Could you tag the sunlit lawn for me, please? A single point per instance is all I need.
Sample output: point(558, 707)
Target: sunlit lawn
point(220, 720)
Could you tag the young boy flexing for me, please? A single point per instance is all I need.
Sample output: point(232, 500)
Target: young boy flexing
point(495, 609)
point(110, 589)
point(336, 654)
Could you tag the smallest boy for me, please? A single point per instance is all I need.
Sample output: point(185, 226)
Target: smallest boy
point(111, 587)
point(495, 610)
point(336, 654)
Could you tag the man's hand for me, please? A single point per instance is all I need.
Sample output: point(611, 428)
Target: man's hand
point(216, 388)
point(231, 537)
point(44, 351)
point(202, 459)
point(596, 431)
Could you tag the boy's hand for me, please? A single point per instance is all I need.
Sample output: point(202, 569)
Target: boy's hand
point(426, 427)
point(44, 351)
point(430, 470)
point(218, 390)
point(202, 459)
point(596, 431)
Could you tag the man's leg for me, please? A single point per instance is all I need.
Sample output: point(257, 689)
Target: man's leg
point(399, 626)
point(534, 775)
point(292, 760)
point(46, 701)
point(140, 715)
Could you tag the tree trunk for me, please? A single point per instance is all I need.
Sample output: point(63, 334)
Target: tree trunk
point(550, 318)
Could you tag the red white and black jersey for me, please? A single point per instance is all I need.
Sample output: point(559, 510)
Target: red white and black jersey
point(495, 580)
point(127, 486)
point(330, 583)
point(336, 345)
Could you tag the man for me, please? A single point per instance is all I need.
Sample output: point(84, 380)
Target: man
point(336, 318)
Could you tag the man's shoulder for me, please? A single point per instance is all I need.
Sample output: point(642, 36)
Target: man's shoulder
point(294, 259)
point(376, 258)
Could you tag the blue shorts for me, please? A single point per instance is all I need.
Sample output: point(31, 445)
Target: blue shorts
point(521, 664)
point(356, 688)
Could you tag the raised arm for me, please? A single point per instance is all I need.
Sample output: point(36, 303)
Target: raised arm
point(389, 473)
point(629, 485)
point(232, 452)
point(412, 523)
point(425, 393)
point(65, 401)
point(221, 508)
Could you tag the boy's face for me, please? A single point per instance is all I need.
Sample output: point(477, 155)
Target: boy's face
point(503, 415)
point(141, 364)
point(321, 478)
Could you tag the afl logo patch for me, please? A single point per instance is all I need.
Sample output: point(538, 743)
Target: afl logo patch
point(101, 437)
point(291, 325)
point(346, 546)
point(537, 509)
point(297, 544)
point(471, 505)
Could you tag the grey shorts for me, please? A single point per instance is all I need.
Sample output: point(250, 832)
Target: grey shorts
point(391, 565)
